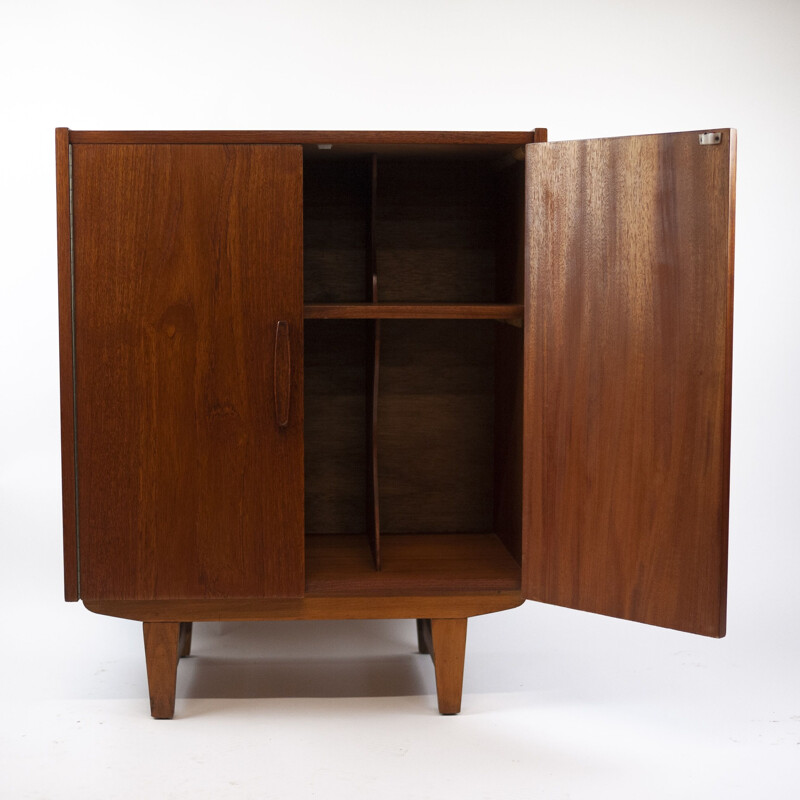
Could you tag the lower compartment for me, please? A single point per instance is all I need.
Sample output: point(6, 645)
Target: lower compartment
point(411, 564)
point(444, 449)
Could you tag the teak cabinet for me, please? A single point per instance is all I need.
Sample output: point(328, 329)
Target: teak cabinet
point(326, 375)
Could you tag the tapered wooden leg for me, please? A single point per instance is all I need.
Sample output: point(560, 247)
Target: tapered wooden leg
point(449, 639)
point(424, 635)
point(185, 641)
point(161, 652)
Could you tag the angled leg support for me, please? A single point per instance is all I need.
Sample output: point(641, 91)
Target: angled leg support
point(185, 641)
point(161, 640)
point(424, 635)
point(448, 640)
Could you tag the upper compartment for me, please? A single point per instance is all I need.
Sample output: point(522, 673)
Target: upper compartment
point(440, 221)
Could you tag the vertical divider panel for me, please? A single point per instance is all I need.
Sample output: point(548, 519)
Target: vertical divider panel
point(373, 348)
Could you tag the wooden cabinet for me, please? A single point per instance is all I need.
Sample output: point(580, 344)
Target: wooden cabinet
point(326, 375)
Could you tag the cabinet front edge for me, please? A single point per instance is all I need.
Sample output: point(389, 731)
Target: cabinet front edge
point(67, 364)
point(309, 137)
point(320, 607)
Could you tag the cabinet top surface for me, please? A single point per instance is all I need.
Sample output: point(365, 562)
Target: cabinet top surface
point(322, 142)
point(304, 137)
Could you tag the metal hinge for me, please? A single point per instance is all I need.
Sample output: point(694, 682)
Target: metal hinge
point(710, 138)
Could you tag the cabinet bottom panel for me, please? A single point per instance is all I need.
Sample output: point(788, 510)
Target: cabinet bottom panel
point(433, 575)
point(410, 564)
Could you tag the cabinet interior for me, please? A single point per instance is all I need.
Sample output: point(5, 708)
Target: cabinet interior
point(413, 285)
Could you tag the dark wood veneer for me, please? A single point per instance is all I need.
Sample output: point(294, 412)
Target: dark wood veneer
point(627, 378)
point(162, 651)
point(421, 563)
point(188, 287)
point(447, 646)
point(368, 375)
point(401, 606)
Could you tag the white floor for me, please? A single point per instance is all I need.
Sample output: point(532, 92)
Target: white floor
point(557, 704)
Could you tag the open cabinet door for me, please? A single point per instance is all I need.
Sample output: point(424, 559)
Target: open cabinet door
point(188, 337)
point(628, 376)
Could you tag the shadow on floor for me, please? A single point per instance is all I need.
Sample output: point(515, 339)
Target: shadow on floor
point(305, 659)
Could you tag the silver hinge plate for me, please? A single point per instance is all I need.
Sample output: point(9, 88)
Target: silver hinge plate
point(710, 138)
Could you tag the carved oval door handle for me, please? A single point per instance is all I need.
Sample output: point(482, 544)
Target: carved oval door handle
point(283, 374)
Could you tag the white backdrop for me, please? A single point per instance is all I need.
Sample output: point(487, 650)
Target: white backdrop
point(557, 703)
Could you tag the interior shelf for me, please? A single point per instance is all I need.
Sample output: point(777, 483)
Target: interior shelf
point(410, 563)
point(495, 311)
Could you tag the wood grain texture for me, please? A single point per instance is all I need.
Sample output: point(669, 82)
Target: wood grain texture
point(66, 355)
point(445, 605)
point(496, 311)
point(436, 231)
point(508, 447)
point(436, 431)
point(335, 227)
point(487, 138)
point(413, 564)
point(627, 378)
point(161, 643)
point(185, 260)
point(448, 643)
point(335, 412)
point(509, 352)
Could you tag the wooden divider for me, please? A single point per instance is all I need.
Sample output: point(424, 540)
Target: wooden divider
point(373, 525)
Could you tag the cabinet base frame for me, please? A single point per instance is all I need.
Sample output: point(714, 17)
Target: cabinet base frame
point(433, 606)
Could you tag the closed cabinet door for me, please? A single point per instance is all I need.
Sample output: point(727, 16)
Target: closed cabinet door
point(188, 364)
point(628, 376)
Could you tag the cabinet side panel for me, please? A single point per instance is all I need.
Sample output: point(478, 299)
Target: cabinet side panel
point(187, 257)
point(725, 477)
point(627, 377)
point(64, 233)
